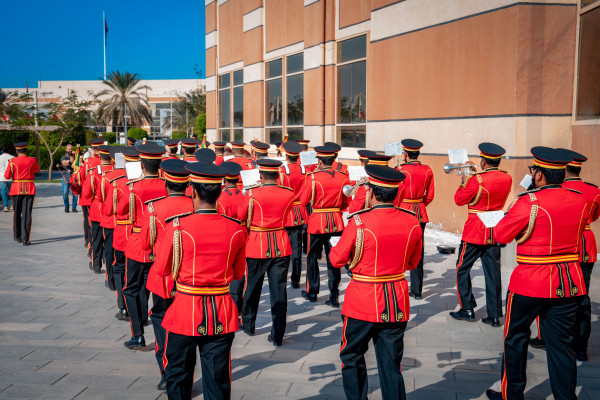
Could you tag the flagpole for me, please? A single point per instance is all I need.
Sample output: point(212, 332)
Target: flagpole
point(104, 40)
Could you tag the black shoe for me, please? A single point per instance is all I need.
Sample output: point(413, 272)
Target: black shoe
point(122, 315)
point(309, 296)
point(492, 321)
point(415, 296)
point(67, 210)
point(463, 315)
point(136, 342)
point(74, 210)
point(295, 285)
point(537, 344)
point(270, 339)
point(493, 395)
point(97, 272)
point(112, 287)
point(246, 331)
point(26, 243)
point(147, 322)
point(18, 240)
point(162, 385)
point(333, 302)
point(582, 356)
point(91, 267)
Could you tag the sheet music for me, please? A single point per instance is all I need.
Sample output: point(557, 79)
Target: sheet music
point(526, 181)
point(355, 173)
point(393, 149)
point(491, 218)
point(308, 157)
point(250, 177)
point(458, 156)
point(119, 161)
point(134, 169)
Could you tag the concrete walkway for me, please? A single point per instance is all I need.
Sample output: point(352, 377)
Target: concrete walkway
point(59, 338)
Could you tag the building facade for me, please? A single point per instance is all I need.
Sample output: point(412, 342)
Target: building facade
point(451, 73)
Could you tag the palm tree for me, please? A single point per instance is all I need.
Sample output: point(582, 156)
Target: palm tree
point(123, 89)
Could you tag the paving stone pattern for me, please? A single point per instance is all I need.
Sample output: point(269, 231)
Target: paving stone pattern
point(59, 338)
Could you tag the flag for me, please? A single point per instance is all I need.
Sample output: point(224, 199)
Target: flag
point(203, 143)
point(105, 31)
point(76, 163)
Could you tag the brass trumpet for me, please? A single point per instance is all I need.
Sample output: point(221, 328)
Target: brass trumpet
point(461, 169)
point(349, 190)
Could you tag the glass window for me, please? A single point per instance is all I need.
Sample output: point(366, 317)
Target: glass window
point(238, 106)
point(238, 77)
point(273, 69)
point(352, 92)
point(353, 136)
point(238, 135)
point(295, 99)
point(274, 102)
point(275, 135)
point(352, 49)
point(588, 81)
point(295, 133)
point(224, 81)
point(223, 135)
point(225, 108)
point(295, 63)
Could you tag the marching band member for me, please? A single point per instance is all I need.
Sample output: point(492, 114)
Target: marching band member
point(85, 199)
point(380, 244)
point(188, 147)
point(220, 152)
point(172, 145)
point(481, 192)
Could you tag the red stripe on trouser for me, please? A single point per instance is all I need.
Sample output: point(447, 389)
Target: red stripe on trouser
point(460, 261)
point(165, 361)
point(307, 251)
point(506, 327)
point(344, 341)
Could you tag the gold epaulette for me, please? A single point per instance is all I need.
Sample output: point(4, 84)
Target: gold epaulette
point(256, 185)
point(528, 191)
point(573, 190)
point(237, 221)
point(406, 211)
point(131, 182)
point(285, 187)
point(156, 199)
point(169, 219)
point(358, 212)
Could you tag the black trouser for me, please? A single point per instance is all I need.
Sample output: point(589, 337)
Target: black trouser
point(236, 290)
point(416, 275)
point(22, 210)
point(468, 253)
point(97, 246)
point(87, 230)
point(388, 338)
point(304, 239)
point(136, 295)
point(159, 308)
point(313, 282)
point(276, 270)
point(557, 319)
point(109, 256)
point(215, 355)
point(119, 274)
point(295, 235)
point(583, 327)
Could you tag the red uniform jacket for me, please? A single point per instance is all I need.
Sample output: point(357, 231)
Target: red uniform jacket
point(117, 204)
point(189, 159)
point(142, 190)
point(323, 191)
point(230, 203)
point(21, 170)
point(242, 161)
point(339, 167)
point(419, 188)
point(84, 173)
point(484, 191)
point(219, 160)
point(588, 251)
point(212, 255)
point(294, 177)
point(107, 218)
point(359, 201)
point(392, 239)
point(93, 190)
point(152, 237)
point(548, 258)
point(265, 209)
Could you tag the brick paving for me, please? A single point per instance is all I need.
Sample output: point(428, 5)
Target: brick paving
point(59, 338)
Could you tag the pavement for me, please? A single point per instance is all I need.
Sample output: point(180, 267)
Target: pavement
point(59, 338)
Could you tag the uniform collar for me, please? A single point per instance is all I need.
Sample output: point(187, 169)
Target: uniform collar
point(414, 162)
point(551, 186)
point(269, 184)
point(150, 176)
point(573, 179)
point(176, 195)
point(206, 211)
point(490, 169)
point(384, 205)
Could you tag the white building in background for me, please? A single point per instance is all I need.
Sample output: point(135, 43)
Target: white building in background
point(161, 95)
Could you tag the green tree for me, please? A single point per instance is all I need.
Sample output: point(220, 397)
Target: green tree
point(123, 92)
point(137, 133)
point(186, 111)
point(200, 125)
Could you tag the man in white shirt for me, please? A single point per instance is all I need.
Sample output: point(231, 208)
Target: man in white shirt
point(5, 183)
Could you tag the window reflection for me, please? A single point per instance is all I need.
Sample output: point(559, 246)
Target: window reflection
point(352, 99)
point(588, 82)
point(274, 102)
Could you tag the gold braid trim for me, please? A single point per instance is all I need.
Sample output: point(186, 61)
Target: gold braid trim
point(478, 195)
point(367, 201)
point(358, 251)
point(152, 225)
point(102, 188)
point(312, 195)
point(115, 199)
point(250, 209)
point(176, 249)
point(532, 218)
point(131, 204)
point(92, 183)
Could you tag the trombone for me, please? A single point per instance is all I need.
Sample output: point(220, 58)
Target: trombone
point(461, 169)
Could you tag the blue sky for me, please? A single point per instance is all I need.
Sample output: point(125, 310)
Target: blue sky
point(62, 40)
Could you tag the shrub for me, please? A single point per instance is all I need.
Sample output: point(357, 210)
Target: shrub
point(110, 137)
point(44, 160)
point(200, 125)
point(137, 133)
point(178, 135)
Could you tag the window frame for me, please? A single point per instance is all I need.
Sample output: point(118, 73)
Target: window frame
point(221, 130)
point(580, 12)
point(338, 125)
point(281, 77)
point(285, 95)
